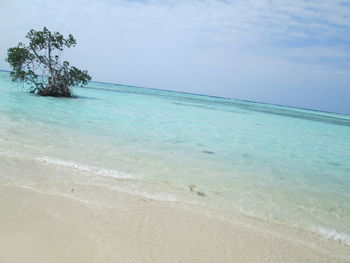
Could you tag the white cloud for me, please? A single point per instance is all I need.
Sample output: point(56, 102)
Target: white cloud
point(215, 47)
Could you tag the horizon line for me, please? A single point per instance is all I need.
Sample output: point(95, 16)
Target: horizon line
point(212, 96)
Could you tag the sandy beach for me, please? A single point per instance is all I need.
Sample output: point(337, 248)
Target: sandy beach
point(43, 219)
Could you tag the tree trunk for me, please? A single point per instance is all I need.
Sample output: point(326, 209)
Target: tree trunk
point(56, 91)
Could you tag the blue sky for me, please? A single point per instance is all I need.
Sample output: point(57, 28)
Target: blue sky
point(293, 53)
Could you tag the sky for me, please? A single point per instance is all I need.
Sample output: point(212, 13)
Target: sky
point(288, 52)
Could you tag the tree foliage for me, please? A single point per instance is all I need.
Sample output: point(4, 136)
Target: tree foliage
point(39, 64)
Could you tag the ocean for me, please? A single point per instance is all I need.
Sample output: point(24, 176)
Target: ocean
point(282, 165)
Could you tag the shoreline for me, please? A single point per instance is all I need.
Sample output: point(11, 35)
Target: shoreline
point(50, 214)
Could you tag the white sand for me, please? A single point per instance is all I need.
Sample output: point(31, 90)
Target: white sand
point(43, 220)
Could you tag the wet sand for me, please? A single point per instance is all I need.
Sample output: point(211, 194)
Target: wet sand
point(77, 222)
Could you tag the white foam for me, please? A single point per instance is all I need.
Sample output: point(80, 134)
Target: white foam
point(85, 168)
point(163, 197)
point(138, 190)
point(157, 196)
point(332, 234)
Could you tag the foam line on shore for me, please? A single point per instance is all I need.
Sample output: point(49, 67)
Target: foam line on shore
point(85, 168)
point(332, 235)
point(157, 196)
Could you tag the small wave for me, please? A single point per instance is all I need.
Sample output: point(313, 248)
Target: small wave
point(332, 234)
point(157, 196)
point(85, 168)
point(140, 190)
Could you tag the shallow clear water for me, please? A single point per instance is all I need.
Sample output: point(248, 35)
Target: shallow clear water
point(282, 164)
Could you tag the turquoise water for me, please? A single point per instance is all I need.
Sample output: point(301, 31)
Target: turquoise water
point(281, 164)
